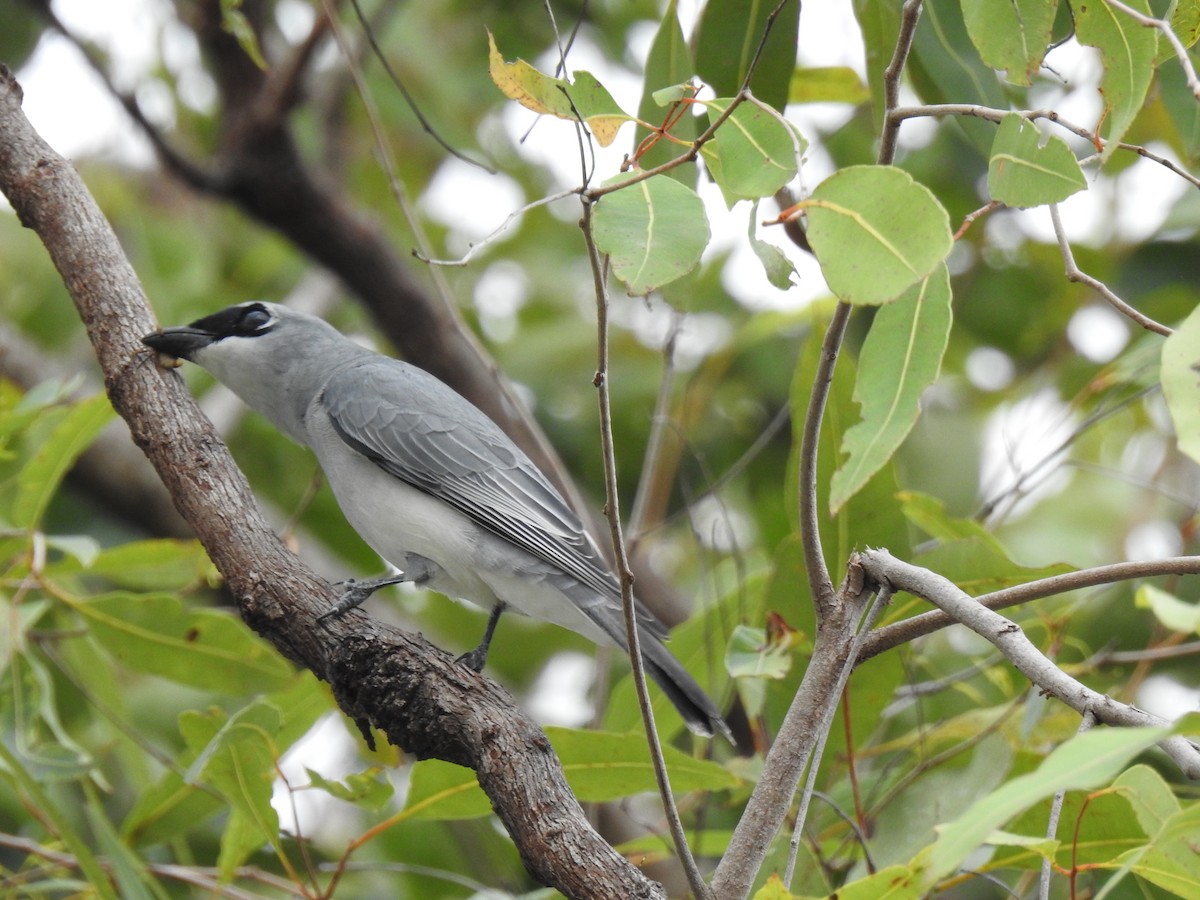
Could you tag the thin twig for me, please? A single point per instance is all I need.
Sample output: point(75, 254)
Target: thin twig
point(991, 114)
point(1010, 639)
point(208, 879)
point(819, 583)
point(910, 14)
point(1074, 273)
point(612, 510)
point(768, 26)
point(1151, 654)
point(660, 427)
point(495, 234)
point(907, 630)
point(1056, 805)
point(1022, 479)
point(687, 156)
point(408, 97)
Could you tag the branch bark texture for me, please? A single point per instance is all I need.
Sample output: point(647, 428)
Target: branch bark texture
point(405, 687)
point(1008, 637)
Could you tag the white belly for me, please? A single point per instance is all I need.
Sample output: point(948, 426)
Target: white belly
point(477, 566)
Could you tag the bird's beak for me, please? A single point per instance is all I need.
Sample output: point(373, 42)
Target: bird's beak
point(179, 343)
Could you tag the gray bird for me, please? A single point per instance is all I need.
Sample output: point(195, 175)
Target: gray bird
point(429, 482)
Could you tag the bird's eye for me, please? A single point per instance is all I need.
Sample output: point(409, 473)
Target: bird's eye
point(255, 319)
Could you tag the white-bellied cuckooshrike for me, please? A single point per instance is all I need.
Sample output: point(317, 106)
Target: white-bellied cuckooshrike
point(429, 482)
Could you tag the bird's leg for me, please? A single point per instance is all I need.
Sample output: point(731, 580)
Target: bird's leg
point(475, 659)
point(417, 569)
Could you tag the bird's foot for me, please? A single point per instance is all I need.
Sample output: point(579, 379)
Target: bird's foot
point(355, 593)
point(474, 659)
point(417, 569)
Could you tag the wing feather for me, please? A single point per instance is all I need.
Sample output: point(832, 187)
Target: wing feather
point(419, 430)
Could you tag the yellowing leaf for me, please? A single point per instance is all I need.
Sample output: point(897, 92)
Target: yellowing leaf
point(587, 99)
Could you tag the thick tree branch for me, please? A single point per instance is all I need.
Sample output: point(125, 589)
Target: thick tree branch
point(414, 693)
point(802, 728)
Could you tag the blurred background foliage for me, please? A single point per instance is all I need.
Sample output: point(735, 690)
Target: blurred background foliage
point(1045, 427)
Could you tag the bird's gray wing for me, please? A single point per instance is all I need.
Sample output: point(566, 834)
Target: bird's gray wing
point(421, 431)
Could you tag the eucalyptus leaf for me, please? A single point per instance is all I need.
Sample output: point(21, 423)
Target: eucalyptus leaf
point(876, 232)
point(653, 231)
point(1011, 36)
point(1025, 170)
point(1127, 53)
point(204, 648)
point(1086, 761)
point(902, 357)
point(40, 478)
point(757, 148)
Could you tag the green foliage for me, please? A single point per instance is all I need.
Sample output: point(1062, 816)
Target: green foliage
point(898, 230)
point(147, 725)
point(1023, 172)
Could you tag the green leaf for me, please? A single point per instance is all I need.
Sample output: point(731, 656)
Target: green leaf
point(39, 480)
point(443, 791)
point(1084, 762)
point(1181, 382)
point(653, 231)
point(980, 566)
point(827, 84)
point(602, 766)
point(129, 871)
point(1127, 52)
point(669, 62)
point(899, 360)
point(1011, 36)
point(167, 809)
point(599, 766)
point(892, 883)
point(757, 149)
point(1150, 796)
point(876, 232)
point(1023, 171)
point(164, 565)
point(1170, 859)
point(237, 756)
point(234, 21)
point(879, 22)
point(1183, 110)
point(586, 99)
point(753, 659)
point(1173, 613)
point(205, 648)
point(728, 36)
point(596, 107)
point(366, 789)
point(242, 836)
point(944, 68)
point(780, 270)
point(929, 514)
point(1185, 22)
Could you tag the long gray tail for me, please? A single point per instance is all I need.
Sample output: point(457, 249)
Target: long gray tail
point(697, 709)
